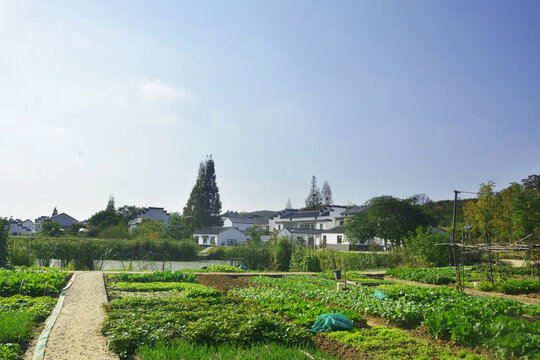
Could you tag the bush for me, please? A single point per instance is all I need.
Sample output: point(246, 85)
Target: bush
point(303, 259)
point(423, 243)
point(20, 256)
point(52, 228)
point(225, 268)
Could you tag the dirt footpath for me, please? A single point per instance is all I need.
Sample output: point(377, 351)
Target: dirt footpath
point(76, 334)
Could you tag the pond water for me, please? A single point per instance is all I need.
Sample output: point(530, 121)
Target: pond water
point(142, 265)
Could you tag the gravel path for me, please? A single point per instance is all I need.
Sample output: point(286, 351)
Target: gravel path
point(76, 334)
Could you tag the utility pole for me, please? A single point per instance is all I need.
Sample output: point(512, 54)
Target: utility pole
point(454, 239)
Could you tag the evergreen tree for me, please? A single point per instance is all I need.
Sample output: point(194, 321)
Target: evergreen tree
point(54, 212)
point(110, 204)
point(314, 199)
point(326, 193)
point(203, 206)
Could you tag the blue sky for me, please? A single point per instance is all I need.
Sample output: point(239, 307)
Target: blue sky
point(377, 97)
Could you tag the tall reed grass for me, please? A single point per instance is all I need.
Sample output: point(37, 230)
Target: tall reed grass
point(90, 254)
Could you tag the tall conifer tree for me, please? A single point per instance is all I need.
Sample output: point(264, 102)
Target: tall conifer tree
point(204, 206)
point(326, 194)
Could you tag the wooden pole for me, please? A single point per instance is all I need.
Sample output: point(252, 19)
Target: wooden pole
point(454, 240)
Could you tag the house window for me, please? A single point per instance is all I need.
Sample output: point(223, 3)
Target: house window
point(339, 239)
point(279, 227)
point(324, 239)
point(320, 226)
point(341, 222)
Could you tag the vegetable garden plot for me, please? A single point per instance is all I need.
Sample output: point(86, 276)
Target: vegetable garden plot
point(507, 280)
point(20, 313)
point(468, 320)
point(133, 322)
point(157, 276)
point(32, 281)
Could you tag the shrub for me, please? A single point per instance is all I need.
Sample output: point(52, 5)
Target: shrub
point(303, 259)
point(52, 228)
point(423, 243)
point(20, 256)
point(225, 268)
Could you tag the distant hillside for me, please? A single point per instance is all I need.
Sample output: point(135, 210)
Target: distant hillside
point(259, 213)
point(442, 210)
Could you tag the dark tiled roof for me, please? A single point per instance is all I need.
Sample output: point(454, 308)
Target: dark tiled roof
point(304, 231)
point(355, 210)
point(336, 230)
point(212, 230)
point(248, 220)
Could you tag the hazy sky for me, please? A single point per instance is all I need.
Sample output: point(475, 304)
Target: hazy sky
point(378, 97)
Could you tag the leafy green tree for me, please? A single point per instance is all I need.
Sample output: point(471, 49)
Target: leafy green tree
point(256, 231)
point(360, 228)
point(52, 228)
point(532, 182)
point(103, 219)
point(481, 214)
point(129, 212)
point(388, 218)
point(314, 200)
point(422, 242)
point(203, 206)
point(525, 210)
point(4, 234)
point(149, 229)
point(176, 227)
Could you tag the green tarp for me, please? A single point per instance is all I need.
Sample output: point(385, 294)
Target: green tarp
point(331, 322)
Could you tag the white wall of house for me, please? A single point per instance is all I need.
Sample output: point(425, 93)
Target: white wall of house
point(310, 222)
point(229, 237)
point(314, 240)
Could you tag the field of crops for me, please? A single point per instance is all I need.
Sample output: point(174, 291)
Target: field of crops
point(26, 299)
point(507, 280)
point(507, 327)
point(168, 318)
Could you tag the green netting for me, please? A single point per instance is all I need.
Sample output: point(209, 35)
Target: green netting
point(379, 295)
point(331, 322)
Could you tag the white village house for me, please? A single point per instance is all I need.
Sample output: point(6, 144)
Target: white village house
point(244, 223)
point(323, 228)
point(219, 236)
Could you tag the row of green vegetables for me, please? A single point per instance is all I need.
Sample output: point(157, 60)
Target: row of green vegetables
point(244, 326)
point(22, 305)
point(377, 342)
point(504, 283)
point(32, 281)
point(199, 317)
point(508, 327)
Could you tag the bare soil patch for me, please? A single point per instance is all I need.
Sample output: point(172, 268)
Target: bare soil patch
point(224, 283)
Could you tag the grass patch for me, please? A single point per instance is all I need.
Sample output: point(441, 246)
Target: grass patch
point(16, 326)
point(189, 351)
point(157, 276)
point(192, 290)
point(385, 343)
